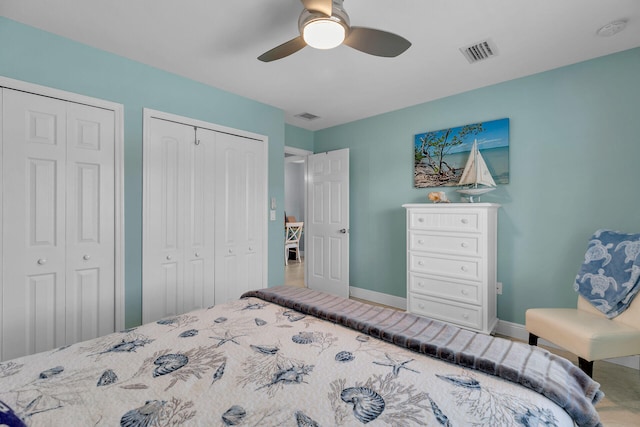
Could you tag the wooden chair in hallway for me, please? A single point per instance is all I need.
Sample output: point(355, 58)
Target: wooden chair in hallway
point(293, 233)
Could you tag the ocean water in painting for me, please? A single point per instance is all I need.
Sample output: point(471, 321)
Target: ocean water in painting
point(440, 156)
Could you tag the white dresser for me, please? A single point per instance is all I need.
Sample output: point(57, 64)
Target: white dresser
point(451, 263)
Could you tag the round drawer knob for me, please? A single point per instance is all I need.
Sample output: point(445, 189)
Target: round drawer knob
point(465, 316)
point(197, 254)
point(420, 285)
point(420, 219)
point(168, 257)
point(250, 248)
point(464, 244)
point(420, 262)
point(463, 268)
point(421, 242)
point(464, 292)
point(86, 257)
point(421, 305)
point(42, 261)
point(464, 221)
point(230, 251)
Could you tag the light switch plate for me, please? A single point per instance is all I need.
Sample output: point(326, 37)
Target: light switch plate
point(273, 215)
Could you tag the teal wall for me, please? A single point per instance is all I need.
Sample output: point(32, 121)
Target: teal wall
point(574, 168)
point(39, 57)
point(298, 138)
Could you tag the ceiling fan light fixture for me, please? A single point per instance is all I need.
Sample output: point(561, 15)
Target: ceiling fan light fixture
point(324, 33)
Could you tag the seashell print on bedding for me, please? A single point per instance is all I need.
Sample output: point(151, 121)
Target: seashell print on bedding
point(304, 421)
point(51, 372)
point(169, 363)
point(303, 338)
point(440, 416)
point(265, 349)
point(234, 415)
point(344, 356)
point(108, 377)
point(9, 368)
point(144, 416)
point(221, 319)
point(260, 322)
point(395, 364)
point(189, 333)
point(219, 372)
point(484, 402)
point(291, 375)
point(367, 404)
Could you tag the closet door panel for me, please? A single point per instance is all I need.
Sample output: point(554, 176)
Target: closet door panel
point(90, 222)
point(199, 285)
point(34, 152)
point(239, 216)
point(165, 189)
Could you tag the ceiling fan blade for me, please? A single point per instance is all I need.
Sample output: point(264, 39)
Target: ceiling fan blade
point(285, 49)
point(322, 6)
point(376, 42)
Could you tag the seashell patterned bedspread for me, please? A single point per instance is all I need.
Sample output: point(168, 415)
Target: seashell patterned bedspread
point(253, 362)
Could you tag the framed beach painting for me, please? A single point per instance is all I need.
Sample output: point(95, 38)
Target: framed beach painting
point(440, 156)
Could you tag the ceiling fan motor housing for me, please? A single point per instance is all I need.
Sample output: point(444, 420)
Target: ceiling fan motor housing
point(339, 15)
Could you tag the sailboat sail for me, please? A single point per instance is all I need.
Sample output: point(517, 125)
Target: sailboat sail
point(476, 170)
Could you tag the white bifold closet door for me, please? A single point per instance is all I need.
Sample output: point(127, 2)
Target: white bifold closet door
point(204, 217)
point(58, 261)
point(240, 210)
point(178, 249)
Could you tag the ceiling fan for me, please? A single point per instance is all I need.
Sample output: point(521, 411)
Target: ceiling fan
point(324, 24)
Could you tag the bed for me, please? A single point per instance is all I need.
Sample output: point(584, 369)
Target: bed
point(287, 356)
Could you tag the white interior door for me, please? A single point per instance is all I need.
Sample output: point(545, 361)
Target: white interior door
point(240, 215)
point(58, 223)
point(327, 222)
point(178, 240)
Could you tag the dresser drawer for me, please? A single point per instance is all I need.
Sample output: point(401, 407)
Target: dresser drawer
point(455, 220)
point(442, 288)
point(464, 268)
point(461, 244)
point(467, 316)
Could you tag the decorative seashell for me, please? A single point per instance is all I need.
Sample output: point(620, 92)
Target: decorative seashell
point(219, 372)
point(189, 333)
point(107, 377)
point(367, 404)
point(169, 321)
point(265, 349)
point(234, 415)
point(220, 319)
point(260, 322)
point(169, 363)
point(303, 338)
point(255, 306)
point(344, 356)
point(51, 372)
point(460, 381)
point(146, 415)
point(304, 421)
point(362, 338)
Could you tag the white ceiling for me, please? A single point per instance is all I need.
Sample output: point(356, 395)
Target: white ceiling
point(217, 43)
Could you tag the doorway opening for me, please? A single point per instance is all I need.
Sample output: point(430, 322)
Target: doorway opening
point(295, 169)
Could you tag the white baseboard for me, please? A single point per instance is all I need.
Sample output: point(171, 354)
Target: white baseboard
point(508, 329)
point(518, 331)
point(378, 297)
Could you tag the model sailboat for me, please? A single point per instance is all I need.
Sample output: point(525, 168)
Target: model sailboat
point(476, 175)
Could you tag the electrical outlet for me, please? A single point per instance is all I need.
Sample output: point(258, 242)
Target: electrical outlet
point(499, 288)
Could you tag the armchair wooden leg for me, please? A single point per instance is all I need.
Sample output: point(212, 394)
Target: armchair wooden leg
point(533, 339)
point(586, 366)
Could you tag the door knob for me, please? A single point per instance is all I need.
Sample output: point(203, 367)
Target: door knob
point(342, 231)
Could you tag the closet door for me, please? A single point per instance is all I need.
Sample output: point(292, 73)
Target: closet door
point(58, 221)
point(178, 210)
point(90, 218)
point(241, 205)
